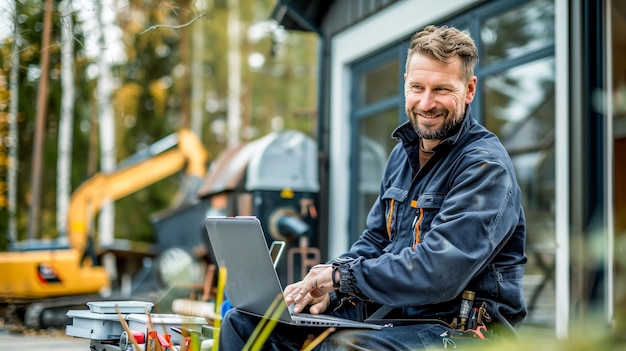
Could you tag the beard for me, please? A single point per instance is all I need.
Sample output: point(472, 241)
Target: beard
point(452, 121)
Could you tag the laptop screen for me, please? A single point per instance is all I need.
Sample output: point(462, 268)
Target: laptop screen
point(239, 246)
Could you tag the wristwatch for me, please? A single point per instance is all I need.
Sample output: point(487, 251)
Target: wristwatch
point(340, 262)
point(336, 282)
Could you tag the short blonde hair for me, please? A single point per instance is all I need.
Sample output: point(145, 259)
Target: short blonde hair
point(444, 43)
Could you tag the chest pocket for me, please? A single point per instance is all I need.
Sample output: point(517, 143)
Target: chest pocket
point(394, 199)
point(428, 205)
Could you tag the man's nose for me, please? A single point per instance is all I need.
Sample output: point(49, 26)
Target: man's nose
point(427, 101)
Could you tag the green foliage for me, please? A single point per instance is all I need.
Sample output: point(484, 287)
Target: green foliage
point(149, 99)
point(589, 338)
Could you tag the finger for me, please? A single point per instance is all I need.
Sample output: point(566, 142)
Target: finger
point(299, 306)
point(300, 294)
point(320, 306)
point(289, 299)
point(291, 291)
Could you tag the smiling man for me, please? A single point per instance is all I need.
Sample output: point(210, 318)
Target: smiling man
point(437, 88)
point(442, 259)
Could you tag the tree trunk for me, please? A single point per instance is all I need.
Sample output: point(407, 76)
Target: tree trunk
point(66, 122)
point(197, 74)
point(104, 88)
point(234, 74)
point(42, 97)
point(13, 142)
point(184, 49)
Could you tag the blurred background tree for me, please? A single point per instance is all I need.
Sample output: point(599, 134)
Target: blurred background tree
point(162, 81)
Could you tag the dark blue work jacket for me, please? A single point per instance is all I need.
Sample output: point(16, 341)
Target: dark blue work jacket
point(456, 224)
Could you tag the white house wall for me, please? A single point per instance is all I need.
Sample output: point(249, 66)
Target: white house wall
point(562, 166)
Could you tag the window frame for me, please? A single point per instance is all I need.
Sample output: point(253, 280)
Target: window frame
point(359, 113)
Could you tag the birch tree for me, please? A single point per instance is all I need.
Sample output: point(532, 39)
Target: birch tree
point(234, 74)
point(106, 119)
point(197, 73)
point(12, 141)
point(66, 119)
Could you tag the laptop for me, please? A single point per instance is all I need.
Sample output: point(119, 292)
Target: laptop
point(252, 284)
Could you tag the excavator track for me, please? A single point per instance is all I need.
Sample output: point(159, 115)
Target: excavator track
point(11, 318)
point(22, 315)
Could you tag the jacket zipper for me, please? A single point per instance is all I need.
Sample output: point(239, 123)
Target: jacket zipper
point(416, 223)
point(390, 217)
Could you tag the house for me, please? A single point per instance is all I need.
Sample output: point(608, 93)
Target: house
point(552, 86)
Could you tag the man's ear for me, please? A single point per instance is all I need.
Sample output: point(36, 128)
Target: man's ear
point(471, 90)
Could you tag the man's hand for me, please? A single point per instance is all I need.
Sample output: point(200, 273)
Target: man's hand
point(312, 290)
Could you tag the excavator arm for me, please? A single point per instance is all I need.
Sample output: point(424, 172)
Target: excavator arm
point(180, 151)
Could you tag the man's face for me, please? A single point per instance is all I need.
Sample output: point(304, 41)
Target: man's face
point(436, 96)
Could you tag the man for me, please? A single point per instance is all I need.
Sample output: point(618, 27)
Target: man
point(448, 219)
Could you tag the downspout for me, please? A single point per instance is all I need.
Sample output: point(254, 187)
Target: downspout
point(323, 142)
point(567, 86)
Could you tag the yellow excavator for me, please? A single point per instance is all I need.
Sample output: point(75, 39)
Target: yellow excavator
point(40, 277)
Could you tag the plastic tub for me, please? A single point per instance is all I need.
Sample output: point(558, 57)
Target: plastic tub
point(124, 306)
point(97, 326)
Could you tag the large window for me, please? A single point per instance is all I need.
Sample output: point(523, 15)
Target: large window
point(515, 100)
point(377, 111)
point(517, 103)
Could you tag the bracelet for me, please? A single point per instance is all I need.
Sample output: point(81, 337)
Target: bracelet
point(336, 284)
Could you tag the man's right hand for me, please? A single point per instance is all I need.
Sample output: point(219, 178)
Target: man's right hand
point(318, 304)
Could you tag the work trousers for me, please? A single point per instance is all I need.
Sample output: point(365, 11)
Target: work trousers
point(236, 328)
